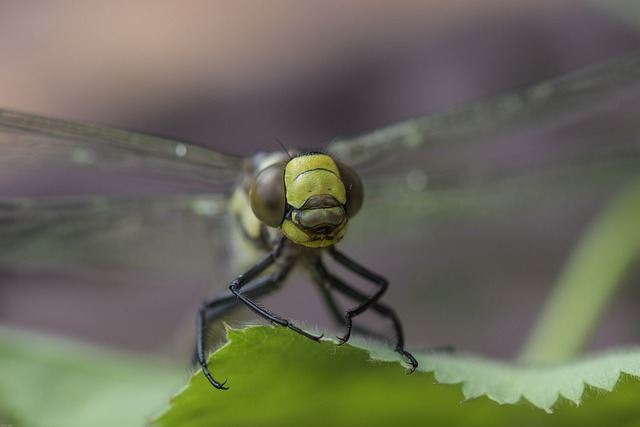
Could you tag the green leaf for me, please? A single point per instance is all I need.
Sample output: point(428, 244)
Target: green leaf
point(52, 382)
point(277, 377)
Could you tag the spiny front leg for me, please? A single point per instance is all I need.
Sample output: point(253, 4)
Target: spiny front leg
point(365, 302)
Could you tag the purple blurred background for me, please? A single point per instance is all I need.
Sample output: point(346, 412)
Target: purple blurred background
point(232, 76)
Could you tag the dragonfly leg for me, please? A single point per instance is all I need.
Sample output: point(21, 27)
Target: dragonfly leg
point(337, 313)
point(217, 306)
point(239, 283)
point(365, 302)
point(221, 304)
point(382, 309)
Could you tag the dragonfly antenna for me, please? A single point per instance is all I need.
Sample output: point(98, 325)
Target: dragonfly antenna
point(282, 145)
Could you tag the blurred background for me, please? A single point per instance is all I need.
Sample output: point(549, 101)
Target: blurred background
point(232, 75)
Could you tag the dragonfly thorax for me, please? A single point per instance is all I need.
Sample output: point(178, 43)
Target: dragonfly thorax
point(311, 197)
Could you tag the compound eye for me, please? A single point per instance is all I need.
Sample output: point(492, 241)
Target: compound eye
point(353, 187)
point(267, 195)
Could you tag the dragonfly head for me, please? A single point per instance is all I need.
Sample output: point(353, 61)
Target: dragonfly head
point(311, 198)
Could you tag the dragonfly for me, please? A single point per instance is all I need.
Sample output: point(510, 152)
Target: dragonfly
point(274, 228)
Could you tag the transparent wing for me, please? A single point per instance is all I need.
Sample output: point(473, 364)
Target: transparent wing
point(124, 271)
point(72, 259)
point(577, 93)
point(575, 133)
point(109, 234)
point(161, 235)
point(33, 141)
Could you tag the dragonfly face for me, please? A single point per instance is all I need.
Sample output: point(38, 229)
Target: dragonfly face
point(311, 197)
point(33, 230)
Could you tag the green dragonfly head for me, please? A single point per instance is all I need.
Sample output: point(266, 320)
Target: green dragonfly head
point(311, 197)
